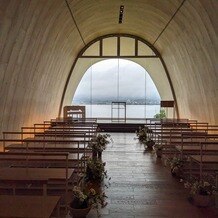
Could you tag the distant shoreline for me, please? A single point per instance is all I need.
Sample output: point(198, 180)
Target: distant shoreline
point(132, 111)
point(77, 103)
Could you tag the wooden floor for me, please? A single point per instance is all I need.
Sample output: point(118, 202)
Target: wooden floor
point(141, 187)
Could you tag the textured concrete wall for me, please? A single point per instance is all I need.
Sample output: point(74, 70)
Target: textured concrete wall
point(189, 47)
point(39, 42)
point(36, 51)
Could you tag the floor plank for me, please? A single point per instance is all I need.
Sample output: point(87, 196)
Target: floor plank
point(142, 187)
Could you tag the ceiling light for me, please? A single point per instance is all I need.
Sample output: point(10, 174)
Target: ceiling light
point(121, 12)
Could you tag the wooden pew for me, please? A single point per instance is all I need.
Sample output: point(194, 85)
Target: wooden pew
point(27, 206)
point(191, 143)
point(190, 139)
point(172, 138)
point(17, 177)
point(205, 162)
point(63, 130)
point(70, 122)
point(170, 135)
point(77, 151)
point(194, 147)
point(49, 159)
point(55, 135)
point(22, 166)
point(45, 144)
point(32, 159)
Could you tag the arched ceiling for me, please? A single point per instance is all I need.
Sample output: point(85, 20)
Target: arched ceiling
point(39, 41)
point(144, 18)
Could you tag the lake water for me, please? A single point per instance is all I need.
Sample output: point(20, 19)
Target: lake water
point(132, 111)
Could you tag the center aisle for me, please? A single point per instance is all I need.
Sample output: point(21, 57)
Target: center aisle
point(141, 187)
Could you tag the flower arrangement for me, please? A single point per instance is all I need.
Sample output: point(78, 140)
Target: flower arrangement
point(176, 165)
point(95, 170)
point(144, 137)
point(176, 162)
point(83, 199)
point(142, 134)
point(158, 149)
point(99, 142)
point(202, 191)
point(201, 187)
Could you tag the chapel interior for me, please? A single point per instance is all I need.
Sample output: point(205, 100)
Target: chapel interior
point(47, 144)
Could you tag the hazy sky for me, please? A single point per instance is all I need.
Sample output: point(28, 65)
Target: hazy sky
point(115, 78)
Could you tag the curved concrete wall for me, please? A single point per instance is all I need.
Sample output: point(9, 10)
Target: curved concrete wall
point(39, 42)
point(36, 52)
point(189, 47)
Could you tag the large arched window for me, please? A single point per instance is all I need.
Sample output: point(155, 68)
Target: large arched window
point(119, 46)
point(117, 80)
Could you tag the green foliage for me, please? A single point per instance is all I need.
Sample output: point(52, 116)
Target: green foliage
point(176, 162)
point(85, 198)
point(200, 187)
point(99, 142)
point(95, 170)
point(142, 134)
point(160, 115)
point(158, 147)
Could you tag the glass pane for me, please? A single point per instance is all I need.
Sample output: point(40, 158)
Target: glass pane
point(143, 49)
point(104, 87)
point(127, 46)
point(118, 80)
point(110, 46)
point(93, 50)
point(83, 92)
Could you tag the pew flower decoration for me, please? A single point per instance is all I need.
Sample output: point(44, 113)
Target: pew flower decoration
point(83, 199)
point(176, 162)
point(143, 135)
point(200, 187)
point(176, 166)
point(95, 170)
point(158, 149)
point(80, 198)
point(99, 142)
